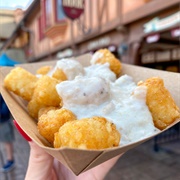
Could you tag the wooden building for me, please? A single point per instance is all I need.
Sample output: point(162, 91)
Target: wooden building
point(8, 22)
point(154, 38)
point(45, 32)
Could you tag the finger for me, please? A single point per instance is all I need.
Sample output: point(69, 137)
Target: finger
point(40, 164)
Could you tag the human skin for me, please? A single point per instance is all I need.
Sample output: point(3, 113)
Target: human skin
point(43, 166)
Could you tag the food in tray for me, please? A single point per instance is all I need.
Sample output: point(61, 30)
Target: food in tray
point(94, 107)
point(103, 56)
point(21, 82)
point(43, 70)
point(87, 133)
point(47, 96)
point(50, 121)
point(66, 70)
point(34, 107)
point(43, 96)
point(161, 105)
point(121, 102)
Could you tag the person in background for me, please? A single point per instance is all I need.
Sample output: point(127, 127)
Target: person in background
point(6, 135)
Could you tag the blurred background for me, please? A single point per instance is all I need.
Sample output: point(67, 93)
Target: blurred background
point(144, 33)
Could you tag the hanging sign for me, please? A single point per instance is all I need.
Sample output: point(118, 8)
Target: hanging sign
point(157, 24)
point(98, 43)
point(73, 8)
point(175, 32)
point(152, 38)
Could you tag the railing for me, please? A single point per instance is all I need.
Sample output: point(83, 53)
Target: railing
point(169, 135)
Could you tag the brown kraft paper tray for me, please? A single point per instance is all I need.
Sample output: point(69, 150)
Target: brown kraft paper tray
point(78, 160)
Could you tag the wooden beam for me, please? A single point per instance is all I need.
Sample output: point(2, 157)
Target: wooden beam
point(168, 41)
point(107, 10)
point(33, 9)
point(90, 18)
point(102, 11)
point(98, 14)
point(119, 10)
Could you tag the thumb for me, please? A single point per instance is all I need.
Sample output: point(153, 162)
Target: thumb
point(40, 164)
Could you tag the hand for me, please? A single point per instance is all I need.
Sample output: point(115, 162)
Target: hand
point(43, 166)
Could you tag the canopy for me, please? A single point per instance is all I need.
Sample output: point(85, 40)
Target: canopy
point(7, 61)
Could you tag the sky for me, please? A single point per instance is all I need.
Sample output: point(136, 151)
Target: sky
point(13, 4)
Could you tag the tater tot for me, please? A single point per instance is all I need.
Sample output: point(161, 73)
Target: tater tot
point(43, 70)
point(34, 107)
point(45, 110)
point(59, 75)
point(103, 56)
point(160, 102)
point(50, 122)
point(45, 91)
point(21, 82)
point(87, 133)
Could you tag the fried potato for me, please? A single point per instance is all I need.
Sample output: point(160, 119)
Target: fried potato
point(43, 70)
point(160, 102)
point(103, 56)
point(59, 75)
point(45, 92)
point(87, 133)
point(45, 110)
point(34, 107)
point(21, 82)
point(50, 122)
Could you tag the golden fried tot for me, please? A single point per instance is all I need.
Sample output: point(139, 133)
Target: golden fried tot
point(45, 92)
point(160, 102)
point(50, 122)
point(45, 110)
point(21, 82)
point(103, 56)
point(43, 70)
point(87, 133)
point(34, 107)
point(59, 75)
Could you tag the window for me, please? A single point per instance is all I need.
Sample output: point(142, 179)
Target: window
point(48, 12)
point(41, 26)
point(60, 16)
point(52, 21)
point(51, 9)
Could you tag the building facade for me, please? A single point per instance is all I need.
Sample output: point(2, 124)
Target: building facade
point(119, 25)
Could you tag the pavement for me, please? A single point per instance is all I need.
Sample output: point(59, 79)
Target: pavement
point(140, 163)
point(21, 155)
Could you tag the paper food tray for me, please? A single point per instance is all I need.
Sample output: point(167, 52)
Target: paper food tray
point(78, 160)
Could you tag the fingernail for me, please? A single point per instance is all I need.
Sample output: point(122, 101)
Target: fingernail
point(26, 137)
